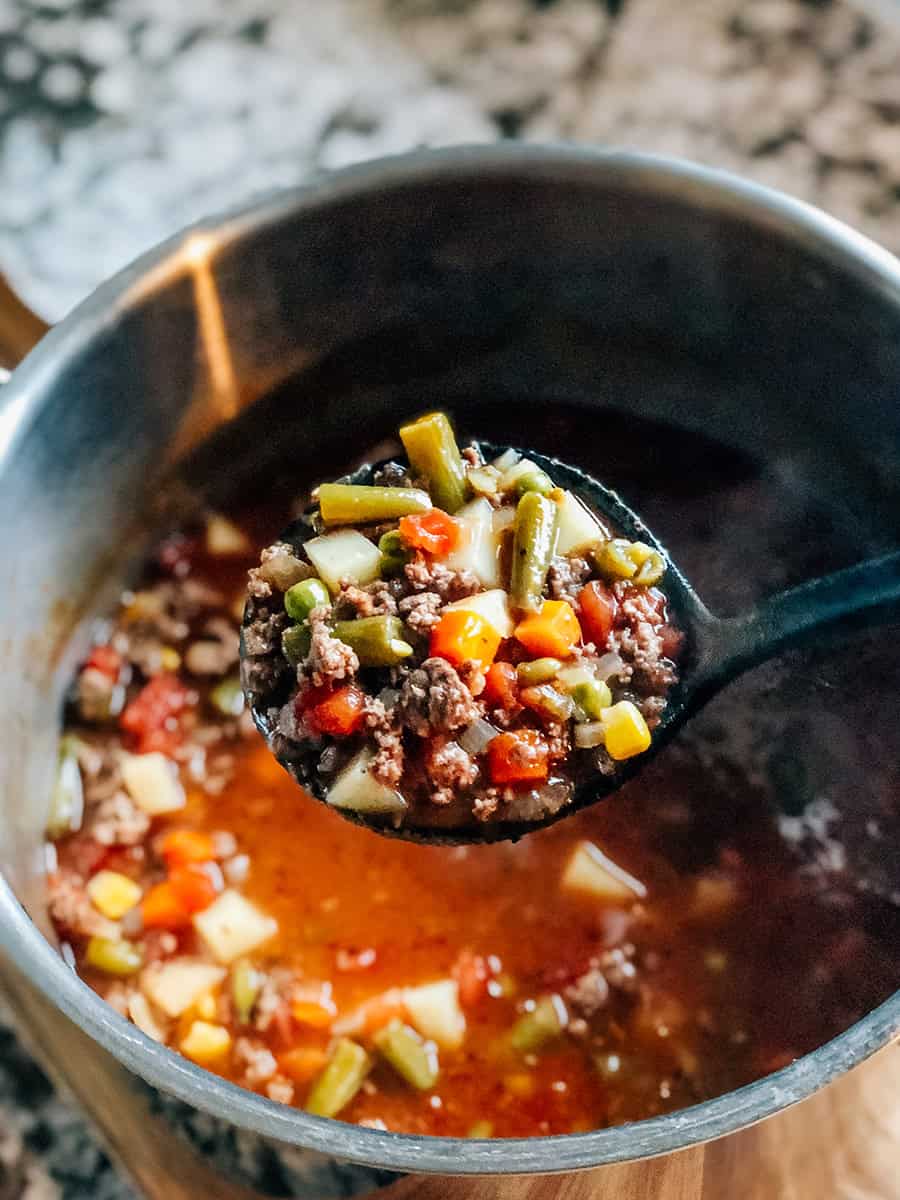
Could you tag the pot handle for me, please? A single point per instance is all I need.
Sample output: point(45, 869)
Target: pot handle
point(20, 329)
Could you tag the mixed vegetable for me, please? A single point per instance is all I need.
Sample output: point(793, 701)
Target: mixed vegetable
point(457, 637)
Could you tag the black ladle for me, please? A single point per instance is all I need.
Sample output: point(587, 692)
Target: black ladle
point(716, 650)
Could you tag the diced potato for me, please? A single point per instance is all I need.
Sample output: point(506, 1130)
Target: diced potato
point(477, 549)
point(493, 605)
point(435, 1011)
point(223, 538)
point(204, 1043)
point(507, 459)
point(232, 927)
point(517, 471)
point(344, 554)
point(174, 987)
point(578, 527)
point(144, 1017)
point(590, 871)
point(152, 782)
point(113, 894)
point(627, 733)
point(358, 790)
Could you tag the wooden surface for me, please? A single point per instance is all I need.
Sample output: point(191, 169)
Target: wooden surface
point(842, 1144)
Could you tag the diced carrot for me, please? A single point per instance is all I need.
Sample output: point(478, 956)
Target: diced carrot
point(313, 1013)
point(195, 887)
point(302, 1063)
point(553, 632)
point(161, 908)
point(340, 713)
point(598, 612)
point(182, 846)
point(434, 532)
point(462, 636)
point(501, 688)
point(521, 756)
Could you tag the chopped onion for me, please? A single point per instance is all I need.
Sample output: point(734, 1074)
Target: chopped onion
point(507, 459)
point(478, 736)
point(608, 665)
point(389, 697)
point(553, 795)
point(591, 733)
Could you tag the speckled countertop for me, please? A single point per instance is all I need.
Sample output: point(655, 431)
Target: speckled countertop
point(123, 120)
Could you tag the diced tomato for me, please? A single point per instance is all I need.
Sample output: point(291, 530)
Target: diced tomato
point(165, 696)
point(518, 757)
point(195, 885)
point(501, 688)
point(471, 973)
point(462, 636)
point(434, 532)
point(317, 1014)
point(598, 612)
point(340, 713)
point(181, 846)
point(105, 660)
point(161, 908)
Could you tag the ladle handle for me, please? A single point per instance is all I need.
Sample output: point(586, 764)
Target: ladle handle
point(736, 644)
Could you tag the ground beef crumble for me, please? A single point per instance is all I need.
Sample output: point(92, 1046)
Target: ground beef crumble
point(433, 699)
point(566, 577)
point(425, 576)
point(330, 660)
point(421, 611)
point(450, 770)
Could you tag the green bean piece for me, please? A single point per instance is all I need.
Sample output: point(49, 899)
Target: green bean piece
point(114, 956)
point(359, 504)
point(67, 798)
point(295, 643)
point(539, 670)
point(534, 481)
point(246, 983)
point(340, 1080)
point(621, 559)
point(535, 1029)
point(409, 1054)
point(378, 641)
point(395, 553)
point(481, 1129)
point(548, 702)
point(227, 697)
point(430, 445)
point(591, 697)
point(534, 540)
point(303, 597)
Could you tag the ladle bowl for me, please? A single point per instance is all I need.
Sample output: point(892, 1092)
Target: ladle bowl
point(715, 651)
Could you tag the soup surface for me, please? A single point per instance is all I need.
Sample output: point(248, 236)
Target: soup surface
point(723, 914)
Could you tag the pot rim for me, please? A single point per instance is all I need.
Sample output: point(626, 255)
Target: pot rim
point(703, 186)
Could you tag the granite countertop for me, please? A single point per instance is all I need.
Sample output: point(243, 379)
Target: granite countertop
point(123, 120)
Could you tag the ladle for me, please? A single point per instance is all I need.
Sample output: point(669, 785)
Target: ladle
point(716, 651)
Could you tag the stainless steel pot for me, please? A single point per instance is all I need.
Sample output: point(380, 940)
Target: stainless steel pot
point(521, 273)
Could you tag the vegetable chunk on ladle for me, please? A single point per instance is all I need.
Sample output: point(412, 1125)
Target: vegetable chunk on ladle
point(468, 647)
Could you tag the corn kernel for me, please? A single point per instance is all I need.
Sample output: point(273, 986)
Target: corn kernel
point(169, 658)
point(113, 894)
point(205, 1008)
point(205, 1043)
point(626, 730)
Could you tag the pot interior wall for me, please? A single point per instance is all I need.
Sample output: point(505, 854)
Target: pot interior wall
point(587, 317)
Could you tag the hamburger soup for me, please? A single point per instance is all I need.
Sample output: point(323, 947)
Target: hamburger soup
point(720, 916)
